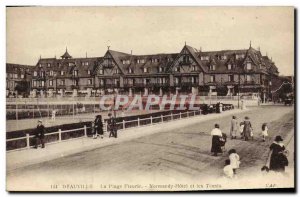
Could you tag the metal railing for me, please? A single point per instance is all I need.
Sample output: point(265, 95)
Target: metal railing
point(152, 120)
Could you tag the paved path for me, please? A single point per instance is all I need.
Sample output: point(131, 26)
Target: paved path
point(175, 152)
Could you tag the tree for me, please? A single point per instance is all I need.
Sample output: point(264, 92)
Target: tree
point(22, 87)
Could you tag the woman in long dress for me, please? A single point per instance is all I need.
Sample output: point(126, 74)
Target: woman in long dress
point(278, 160)
point(216, 134)
point(234, 127)
point(247, 129)
point(99, 125)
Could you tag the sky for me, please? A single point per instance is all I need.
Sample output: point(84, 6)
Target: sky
point(32, 32)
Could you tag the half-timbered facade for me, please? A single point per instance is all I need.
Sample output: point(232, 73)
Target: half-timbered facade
point(226, 72)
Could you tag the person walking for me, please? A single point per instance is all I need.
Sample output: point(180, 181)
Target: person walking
point(112, 126)
point(216, 134)
point(234, 127)
point(39, 135)
point(99, 126)
point(278, 159)
point(264, 132)
point(247, 131)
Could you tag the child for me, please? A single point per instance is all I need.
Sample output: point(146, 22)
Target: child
point(242, 129)
point(264, 132)
point(228, 171)
point(234, 160)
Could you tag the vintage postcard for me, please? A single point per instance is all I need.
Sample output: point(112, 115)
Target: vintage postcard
point(150, 98)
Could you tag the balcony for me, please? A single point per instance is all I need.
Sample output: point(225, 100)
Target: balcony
point(249, 82)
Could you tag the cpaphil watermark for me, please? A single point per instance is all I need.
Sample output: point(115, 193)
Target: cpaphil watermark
point(139, 102)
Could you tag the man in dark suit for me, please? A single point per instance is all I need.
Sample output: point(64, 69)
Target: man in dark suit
point(39, 134)
point(112, 126)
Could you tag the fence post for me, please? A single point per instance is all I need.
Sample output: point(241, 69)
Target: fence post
point(59, 135)
point(138, 122)
point(123, 124)
point(161, 117)
point(179, 115)
point(171, 116)
point(150, 119)
point(194, 113)
point(187, 114)
point(85, 131)
point(27, 141)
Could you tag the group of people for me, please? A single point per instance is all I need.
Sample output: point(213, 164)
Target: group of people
point(97, 127)
point(277, 159)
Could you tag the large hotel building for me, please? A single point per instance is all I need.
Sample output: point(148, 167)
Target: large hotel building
point(225, 72)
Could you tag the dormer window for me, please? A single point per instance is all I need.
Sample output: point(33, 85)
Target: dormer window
point(229, 66)
point(51, 73)
point(169, 60)
point(239, 56)
point(177, 69)
point(186, 59)
point(48, 65)
point(204, 58)
point(223, 57)
point(101, 71)
point(40, 65)
point(145, 70)
point(62, 73)
point(140, 61)
point(248, 66)
point(126, 61)
point(35, 73)
point(154, 60)
point(84, 63)
point(212, 67)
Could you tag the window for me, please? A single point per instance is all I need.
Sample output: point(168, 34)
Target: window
point(145, 70)
point(186, 59)
point(11, 75)
point(35, 73)
point(22, 76)
point(160, 69)
point(40, 65)
point(230, 77)
point(130, 70)
point(126, 61)
point(84, 63)
point(34, 83)
point(15, 76)
point(140, 61)
point(176, 80)
point(90, 82)
point(177, 69)
point(75, 72)
point(42, 73)
point(48, 65)
point(239, 56)
point(51, 73)
point(75, 82)
point(50, 82)
point(194, 68)
point(229, 67)
point(223, 57)
point(117, 71)
point(204, 58)
point(62, 82)
point(154, 60)
point(248, 78)
point(248, 66)
point(42, 83)
point(101, 71)
point(89, 72)
point(212, 78)
point(62, 73)
point(212, 67)
point(71, 63)
point(101, 82)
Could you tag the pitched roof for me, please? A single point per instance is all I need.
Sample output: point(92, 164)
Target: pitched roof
point(66, 55)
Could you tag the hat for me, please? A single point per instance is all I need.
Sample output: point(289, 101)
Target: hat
point(247, 118)
point(109, 114)
point(278, 138)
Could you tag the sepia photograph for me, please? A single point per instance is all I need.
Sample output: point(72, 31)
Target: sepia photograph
point(150, 99)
